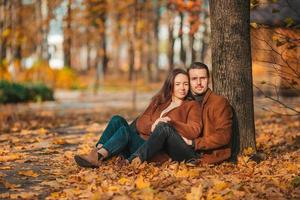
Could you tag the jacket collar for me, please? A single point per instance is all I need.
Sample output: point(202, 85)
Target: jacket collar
point(208, 93)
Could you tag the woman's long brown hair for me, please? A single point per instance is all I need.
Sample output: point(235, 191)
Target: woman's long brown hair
point(165, 93)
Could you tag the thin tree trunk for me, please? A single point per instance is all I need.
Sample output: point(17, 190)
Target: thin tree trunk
point(192, 40)
point(156, 42)
point(231, 61)
point(103, 37)
point(182, 50)
point(67, 36)
point(3, 27)
point(171, 46)
point(17, 55)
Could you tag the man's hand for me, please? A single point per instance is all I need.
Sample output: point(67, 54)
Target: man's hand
point(161, 119)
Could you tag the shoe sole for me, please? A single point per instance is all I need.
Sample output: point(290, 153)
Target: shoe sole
point(83, 163)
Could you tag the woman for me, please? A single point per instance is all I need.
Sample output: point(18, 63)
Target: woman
point(168, 106)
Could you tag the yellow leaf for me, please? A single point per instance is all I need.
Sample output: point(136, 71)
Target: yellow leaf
point(23, 195)
point(123, 181)
point(114, 188)
point(195, 194)
point(214, 197)
point(10, 157)
point(6, 32)
point(28, 173)
point(220, 185)
point(254, 25)
point(141, 183)
point(55, 195)
point(42, 131)
point(248, 151)
point(5, 167)
point(187, 173)
point(59, 141)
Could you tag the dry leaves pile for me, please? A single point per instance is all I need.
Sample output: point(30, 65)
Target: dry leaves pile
point(36, 162)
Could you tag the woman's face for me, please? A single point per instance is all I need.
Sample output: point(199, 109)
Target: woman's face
point(181, 86)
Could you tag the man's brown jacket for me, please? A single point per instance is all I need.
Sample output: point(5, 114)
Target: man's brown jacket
point(215, 138)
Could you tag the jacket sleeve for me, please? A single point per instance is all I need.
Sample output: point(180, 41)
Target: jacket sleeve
point(190, 129)
point(222, 123)
point(144, 121)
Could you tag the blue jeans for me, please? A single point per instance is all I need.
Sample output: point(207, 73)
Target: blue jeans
point(166, 138)
point(119, 138)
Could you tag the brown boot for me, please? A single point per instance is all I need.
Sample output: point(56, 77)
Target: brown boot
point(88, 161)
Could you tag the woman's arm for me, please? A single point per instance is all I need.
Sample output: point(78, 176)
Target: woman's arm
point(144, 121)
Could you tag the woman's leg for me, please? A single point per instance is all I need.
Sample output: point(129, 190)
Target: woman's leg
point(164, 137)
point(113, 125)
point(125, 141)
point(115, 138)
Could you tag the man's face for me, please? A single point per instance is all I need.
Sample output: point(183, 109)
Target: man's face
point(198, 81)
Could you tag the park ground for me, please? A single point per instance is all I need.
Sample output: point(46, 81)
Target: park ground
point(38, 142)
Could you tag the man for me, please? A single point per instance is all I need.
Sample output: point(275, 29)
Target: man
point(215, 140)
point(214, 143)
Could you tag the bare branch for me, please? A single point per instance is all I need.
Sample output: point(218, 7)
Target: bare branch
point(297, 112)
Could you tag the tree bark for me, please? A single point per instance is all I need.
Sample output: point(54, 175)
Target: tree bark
point(231, 61)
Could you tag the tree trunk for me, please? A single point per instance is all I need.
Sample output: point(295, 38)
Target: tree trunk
point(231, 61)
point(182, 50)
point(156, 42)
point(3, 27)
point(103, 17)
point(192, 41)
point(171, 46)
point(67, 36)
point(17, 10)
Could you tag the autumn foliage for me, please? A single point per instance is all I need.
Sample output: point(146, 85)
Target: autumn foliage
point(37, 162)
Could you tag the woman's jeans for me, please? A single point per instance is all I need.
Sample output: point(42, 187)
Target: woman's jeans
point(119, 138)
point(165, 137)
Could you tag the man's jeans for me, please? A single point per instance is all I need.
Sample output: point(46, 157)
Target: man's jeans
point(119, 138)
point(165, 137)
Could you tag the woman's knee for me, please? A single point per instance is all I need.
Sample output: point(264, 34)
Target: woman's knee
point(118, 118)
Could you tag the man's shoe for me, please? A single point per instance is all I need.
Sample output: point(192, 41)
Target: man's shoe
point(88, 161)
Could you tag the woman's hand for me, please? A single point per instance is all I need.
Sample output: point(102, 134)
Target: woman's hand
point(187, 141)
point(161, 119)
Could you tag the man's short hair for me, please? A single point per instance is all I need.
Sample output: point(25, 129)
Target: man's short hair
point(199, 65)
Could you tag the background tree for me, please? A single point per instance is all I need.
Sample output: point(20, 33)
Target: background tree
point(231, 63)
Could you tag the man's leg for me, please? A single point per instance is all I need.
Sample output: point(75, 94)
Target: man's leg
point(114, 124)
point(178, 150)
point(165, 137)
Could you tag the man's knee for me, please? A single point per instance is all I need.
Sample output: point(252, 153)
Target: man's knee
point(164, 125)
point(164, 128)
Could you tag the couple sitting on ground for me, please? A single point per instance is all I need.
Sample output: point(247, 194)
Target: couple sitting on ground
point(185, 120)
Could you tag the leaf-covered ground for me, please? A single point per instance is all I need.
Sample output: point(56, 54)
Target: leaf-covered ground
point(37, 149)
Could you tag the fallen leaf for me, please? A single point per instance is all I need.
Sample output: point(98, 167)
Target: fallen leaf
point(28, 173)
point(141, 183)
point(195, 194)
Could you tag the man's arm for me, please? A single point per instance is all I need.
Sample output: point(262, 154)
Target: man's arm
point(222, 131)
